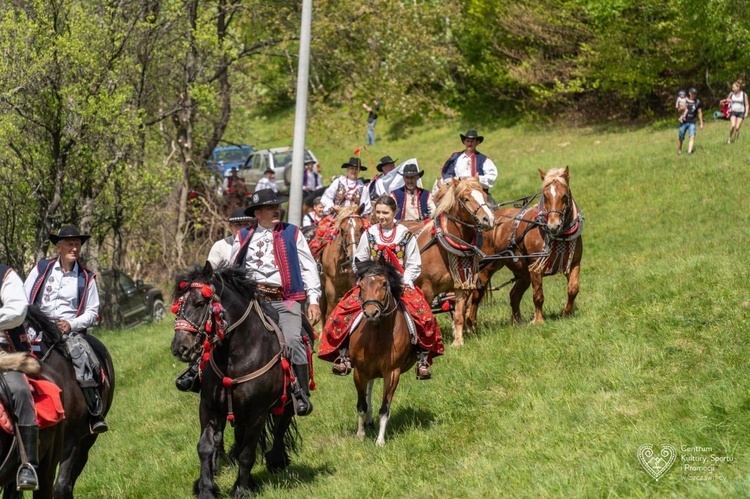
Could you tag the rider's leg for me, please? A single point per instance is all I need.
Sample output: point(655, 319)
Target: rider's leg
point(83, 364)
point(25, 416)
point(290, 323)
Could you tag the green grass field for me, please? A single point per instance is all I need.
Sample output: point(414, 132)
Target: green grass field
point(657, 352)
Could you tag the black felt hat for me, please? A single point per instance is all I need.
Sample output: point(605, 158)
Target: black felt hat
point(238, 216)
point(385, 160)
point(264, 197)
point(472, 134)
point(411, 170)
point(68, 232)
point(354, 162)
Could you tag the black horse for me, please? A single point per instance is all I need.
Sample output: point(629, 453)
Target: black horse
point(245, 378)
point(78, 438)
point(50, 439)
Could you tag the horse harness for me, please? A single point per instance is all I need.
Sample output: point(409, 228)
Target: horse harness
point(383, 308)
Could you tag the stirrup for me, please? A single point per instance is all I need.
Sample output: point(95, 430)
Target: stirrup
point(21, 486)
point(342, 366)
point(423, 371)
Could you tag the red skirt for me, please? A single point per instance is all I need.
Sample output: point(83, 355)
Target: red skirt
point(324, 234)
point(336, 329)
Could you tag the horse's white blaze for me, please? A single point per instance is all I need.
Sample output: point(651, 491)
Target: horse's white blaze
point(479, 198)
point(552, 190)
point(381, 430)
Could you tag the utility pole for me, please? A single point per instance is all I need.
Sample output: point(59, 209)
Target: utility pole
point(300, 116)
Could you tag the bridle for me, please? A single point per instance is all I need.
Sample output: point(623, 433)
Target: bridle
point(476, 222)
point(345, 244)
point(385, 309)
point(211, 322)
point(544, 213)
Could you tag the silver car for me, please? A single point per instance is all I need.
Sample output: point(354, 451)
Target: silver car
point(278, 159)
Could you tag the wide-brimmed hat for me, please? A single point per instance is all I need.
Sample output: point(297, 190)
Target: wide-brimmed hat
point(472, 134)
point(411, 170)
point(269, 169)
point(264, 197)
point(238, 216)
point(68, 232)
point(385, 160)
point(354, 162)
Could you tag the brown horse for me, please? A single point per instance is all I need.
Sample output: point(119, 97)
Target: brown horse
point(448, 243)
point(380, 346)
point(536, 241)
point(337, 257)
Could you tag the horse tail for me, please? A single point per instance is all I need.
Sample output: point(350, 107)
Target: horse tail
point(40, 322)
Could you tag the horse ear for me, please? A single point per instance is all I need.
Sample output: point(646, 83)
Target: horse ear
point(208, 270)
point(566, 174)
point(361, 210)
point(542, 173)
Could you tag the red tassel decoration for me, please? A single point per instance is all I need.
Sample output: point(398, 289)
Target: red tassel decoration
point(183, 285)
point(230, 417)
point(176, 307)
point(227, 382)
point(206, 291)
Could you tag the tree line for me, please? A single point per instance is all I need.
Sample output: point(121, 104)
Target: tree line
point(109, 110)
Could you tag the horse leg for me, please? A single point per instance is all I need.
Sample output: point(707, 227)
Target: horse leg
point(277, 459)
point(390, 383)
point(516, 293)
point(361, 384)
point(458, 318)
point(368, 420)
point(205, 487)
point(536, 283)
point(247, 455)
point(473, 308)
point(570, 305)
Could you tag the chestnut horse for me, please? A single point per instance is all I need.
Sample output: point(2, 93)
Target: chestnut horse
point(450, 240)
point(337, 257)
point(245, 373)
point(533, 242)
point(380, 346)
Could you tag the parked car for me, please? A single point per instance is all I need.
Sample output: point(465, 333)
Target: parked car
point(279, 159)
point(224, 158)
point(139, 302)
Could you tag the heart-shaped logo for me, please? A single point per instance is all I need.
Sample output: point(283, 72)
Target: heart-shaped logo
point(656, 465)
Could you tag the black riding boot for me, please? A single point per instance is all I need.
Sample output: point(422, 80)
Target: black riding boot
point(301, 391)
point(188, 380)
point(94, 401)
point(26, 478)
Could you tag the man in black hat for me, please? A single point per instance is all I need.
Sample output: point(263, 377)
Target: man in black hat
point(377, 186)
point(414, 203)
point(13, 306)
point(268, 181)
point(278, 259)
point(66, 291)
point(347, 190)
point(470, 162)
point(222, 249)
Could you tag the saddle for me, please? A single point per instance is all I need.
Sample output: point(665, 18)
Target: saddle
point(47, 404)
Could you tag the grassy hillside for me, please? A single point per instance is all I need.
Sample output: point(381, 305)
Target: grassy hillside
point(656, 354)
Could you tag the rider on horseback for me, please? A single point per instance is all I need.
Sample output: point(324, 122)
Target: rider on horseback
point(395, 244)
point(470, 163)
point(414, 203)
point(13, 338)
point(66, 291)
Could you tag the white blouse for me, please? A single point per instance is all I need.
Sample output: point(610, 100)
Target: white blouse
point(411, 260)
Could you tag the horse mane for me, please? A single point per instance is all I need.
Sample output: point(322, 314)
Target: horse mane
point(555, 174)
point(385, 269)
point(447, 194)
point(232, 277)
point(345, 213)
point(43, 324)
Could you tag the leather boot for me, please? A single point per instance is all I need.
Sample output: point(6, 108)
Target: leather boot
point(342, 366)
point(423, 366)
point(301, 390)
point(96, 419)
point(188, 380)
point(26, 478)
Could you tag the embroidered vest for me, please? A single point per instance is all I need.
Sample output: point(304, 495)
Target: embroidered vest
point(285, 253)
point(44, 267)
point(14, 337)
point(400, 197)
point(477, 164)
point(344, 195)
point(398, 248)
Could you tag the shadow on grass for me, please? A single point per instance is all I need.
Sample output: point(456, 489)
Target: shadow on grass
point(294, 476)
point(402, 420)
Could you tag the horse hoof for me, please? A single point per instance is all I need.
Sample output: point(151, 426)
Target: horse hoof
point(361, 435)
point(457, 344)
point(380, 442)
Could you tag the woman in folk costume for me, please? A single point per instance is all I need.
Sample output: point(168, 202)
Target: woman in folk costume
point(344, 191)
point(393, 243)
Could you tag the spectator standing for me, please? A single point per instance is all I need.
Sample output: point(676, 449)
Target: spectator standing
point(268, 181)
point(311, 180)
point(693, 112)
point(372, 119)
point(737, 99)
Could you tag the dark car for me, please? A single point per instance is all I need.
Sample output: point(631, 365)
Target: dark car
point(224, 158)
point(139, 302)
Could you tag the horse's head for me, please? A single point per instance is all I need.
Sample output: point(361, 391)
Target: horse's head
point(556, 201)
point(465, 201)
point(379, 289)
point(350, 226)
point(193, 306)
